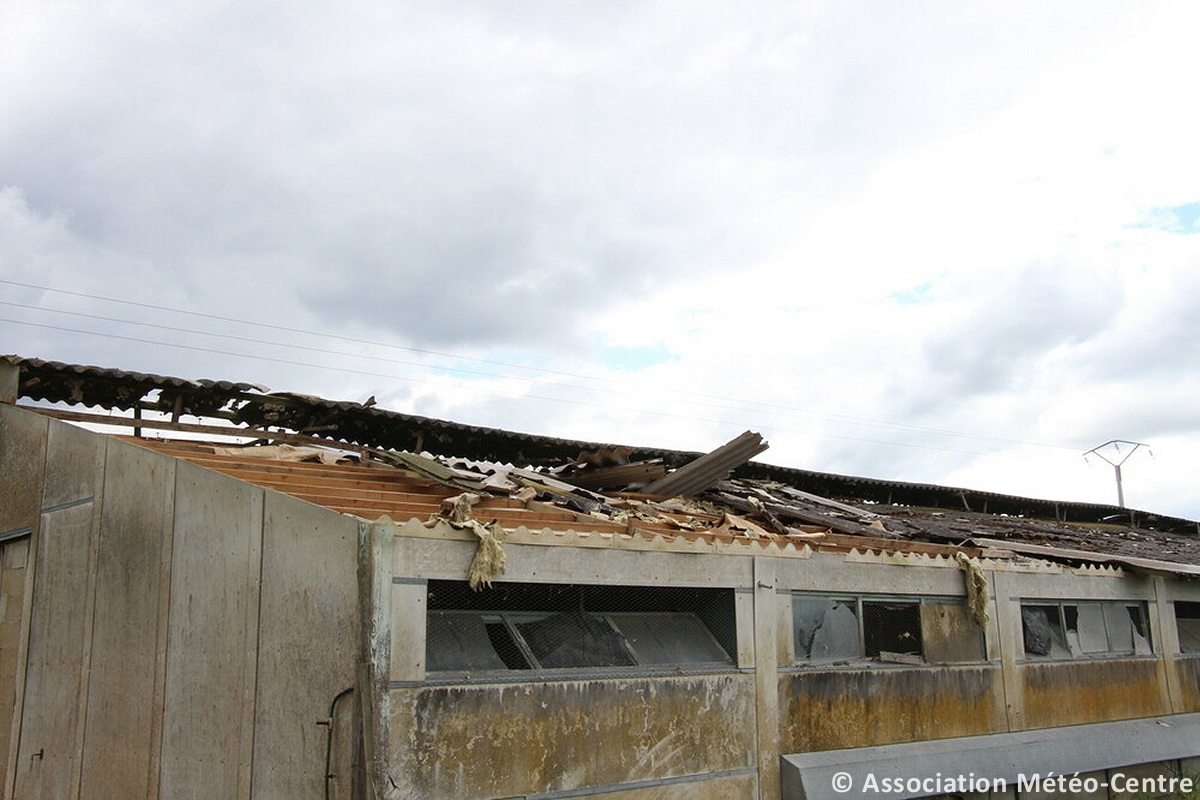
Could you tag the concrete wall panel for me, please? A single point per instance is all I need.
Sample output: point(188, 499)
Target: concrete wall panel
point(132, 576)
point(22, 463)
point(307, 644)
point(56, 669)
point(14, 557)
point(504, 740)
point(833, 709)
point(1188, 670)
point(1100, 690)
point(212, 640)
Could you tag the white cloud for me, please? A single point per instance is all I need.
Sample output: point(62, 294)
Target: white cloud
point(848, 223)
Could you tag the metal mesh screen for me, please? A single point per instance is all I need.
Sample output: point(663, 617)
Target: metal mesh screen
point(538, 627)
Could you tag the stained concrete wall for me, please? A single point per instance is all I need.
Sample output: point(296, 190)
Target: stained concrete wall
point(185, 632)
point(516, 739)
point(564, 738)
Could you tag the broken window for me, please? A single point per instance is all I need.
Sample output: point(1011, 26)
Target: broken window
point(555, 626)
point(828, 628)
point(1044, 631)
point(1067, 629)
point(891, 627)
point(1187, 622)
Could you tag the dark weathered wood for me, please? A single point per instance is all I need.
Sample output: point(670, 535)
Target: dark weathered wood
point(804, 515)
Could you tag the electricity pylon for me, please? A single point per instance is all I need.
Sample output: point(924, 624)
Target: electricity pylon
point(1116, 465)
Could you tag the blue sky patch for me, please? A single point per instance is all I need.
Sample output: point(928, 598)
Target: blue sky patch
point(915, 296)
point(632, 359)
point(1182, 219)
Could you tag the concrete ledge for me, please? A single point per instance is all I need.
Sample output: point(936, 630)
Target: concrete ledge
point(1006, 756)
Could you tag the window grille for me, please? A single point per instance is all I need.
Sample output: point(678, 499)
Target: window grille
point(536, 627)
point(1084, 628)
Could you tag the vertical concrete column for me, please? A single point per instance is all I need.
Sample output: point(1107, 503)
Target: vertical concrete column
point(1166, 643)
point(1011, 642)
point(375, 570)
point(766, 677)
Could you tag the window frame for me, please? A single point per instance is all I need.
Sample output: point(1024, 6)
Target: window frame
point(1073, 646)
point(699, 638)
point(1178, 629)
point(859, 600)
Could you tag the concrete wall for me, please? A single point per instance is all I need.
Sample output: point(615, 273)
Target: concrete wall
point(185, 631)
point(722, 735)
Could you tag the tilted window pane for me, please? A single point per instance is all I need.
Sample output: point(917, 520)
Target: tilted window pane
point(575, 639)
point(826, 629)
point(669, 639)
point(459, 642)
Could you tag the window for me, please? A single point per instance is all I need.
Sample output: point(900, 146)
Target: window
point(832, 628)
point(1187, 622)
point(554, 626)
point(1083, 628)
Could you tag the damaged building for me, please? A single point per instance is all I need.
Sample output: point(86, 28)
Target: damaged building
point(239, 593)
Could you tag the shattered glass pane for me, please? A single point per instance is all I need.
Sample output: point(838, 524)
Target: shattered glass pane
point(575, 639)
point(1141, 635)
point(826, 629)
point(1092, 636)
point(677, 638)
point(1071, 620)
point(1043, 632)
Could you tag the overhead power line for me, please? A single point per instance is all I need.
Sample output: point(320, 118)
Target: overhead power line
point(722, 401)
point(391, 377)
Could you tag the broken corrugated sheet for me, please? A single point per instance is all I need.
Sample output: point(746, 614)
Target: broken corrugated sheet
point(708, 470)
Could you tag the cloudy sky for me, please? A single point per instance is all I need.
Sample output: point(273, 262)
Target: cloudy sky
point(930, 241)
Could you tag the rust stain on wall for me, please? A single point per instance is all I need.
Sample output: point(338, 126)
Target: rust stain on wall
point(1073, 693)
point(1189, 682)
point(832, 709)
point(515, 739)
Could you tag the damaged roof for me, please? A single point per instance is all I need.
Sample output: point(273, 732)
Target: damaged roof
point(731, 496)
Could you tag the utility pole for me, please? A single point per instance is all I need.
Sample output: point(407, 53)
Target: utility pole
point(1116, 465)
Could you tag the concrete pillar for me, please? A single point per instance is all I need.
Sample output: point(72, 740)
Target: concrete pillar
point(766, 676)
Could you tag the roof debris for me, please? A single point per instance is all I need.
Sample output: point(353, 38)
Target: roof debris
point(563, 484)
